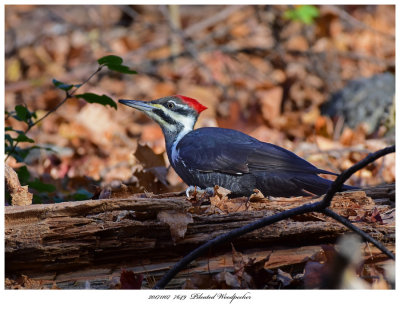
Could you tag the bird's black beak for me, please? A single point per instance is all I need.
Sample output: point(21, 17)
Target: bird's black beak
point(140, 105)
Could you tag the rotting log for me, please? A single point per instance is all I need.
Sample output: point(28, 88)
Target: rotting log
point(71, 242)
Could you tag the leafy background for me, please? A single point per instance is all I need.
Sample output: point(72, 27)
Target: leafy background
point(264, 70)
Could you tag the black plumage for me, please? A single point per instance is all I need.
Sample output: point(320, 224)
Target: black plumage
point(236, 161)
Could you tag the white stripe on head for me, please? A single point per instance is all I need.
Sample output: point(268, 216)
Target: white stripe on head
point(162, 122)
point(187, 121)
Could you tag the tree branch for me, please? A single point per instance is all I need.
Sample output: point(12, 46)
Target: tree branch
point(68, 95)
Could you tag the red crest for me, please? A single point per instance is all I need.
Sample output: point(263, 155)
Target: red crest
point(193, 103)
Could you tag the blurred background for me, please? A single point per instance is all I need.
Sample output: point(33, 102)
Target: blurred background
point(317, 80)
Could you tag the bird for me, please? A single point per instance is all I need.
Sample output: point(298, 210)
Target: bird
point(211, 156)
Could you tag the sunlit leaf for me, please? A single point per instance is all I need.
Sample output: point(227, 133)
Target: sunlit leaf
point(302, 13)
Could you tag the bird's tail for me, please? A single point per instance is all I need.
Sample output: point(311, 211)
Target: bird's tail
point(318, 185)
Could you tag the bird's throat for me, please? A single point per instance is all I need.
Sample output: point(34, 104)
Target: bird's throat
point(173, 143)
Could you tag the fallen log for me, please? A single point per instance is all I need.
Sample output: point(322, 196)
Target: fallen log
point(63, 243)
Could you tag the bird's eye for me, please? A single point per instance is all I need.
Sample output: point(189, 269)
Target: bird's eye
point(171, 104)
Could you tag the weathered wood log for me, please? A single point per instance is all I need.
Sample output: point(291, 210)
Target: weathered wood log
point(56, 241)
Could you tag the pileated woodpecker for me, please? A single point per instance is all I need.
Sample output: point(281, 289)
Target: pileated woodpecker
point(228, 158)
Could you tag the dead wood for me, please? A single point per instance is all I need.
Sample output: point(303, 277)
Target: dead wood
point(61, 242)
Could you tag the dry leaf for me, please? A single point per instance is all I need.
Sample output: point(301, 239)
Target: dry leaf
point(271, 100)
point(226, 278)
point(221, 200)
point(256, 196)
point(240, 261)
point(130, 280)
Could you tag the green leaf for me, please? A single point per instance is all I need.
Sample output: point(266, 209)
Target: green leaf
point(9, 129)
point(23, 138)
point(121, 68)
point(111, 59)
point(62, 85)
point(95, 98)
point(41, 187)
point(22, 113)
point(303, 13)
point(114, 63)
point(23, 175)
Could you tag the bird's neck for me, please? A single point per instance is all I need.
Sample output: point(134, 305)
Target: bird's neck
point(172, 139)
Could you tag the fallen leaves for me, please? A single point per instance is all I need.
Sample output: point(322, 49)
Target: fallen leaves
point(274, 95)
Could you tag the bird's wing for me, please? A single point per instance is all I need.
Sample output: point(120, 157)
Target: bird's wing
point(271, 157)
point(210, 151)
point(232, 152)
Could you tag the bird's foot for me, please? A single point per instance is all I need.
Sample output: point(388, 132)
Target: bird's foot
point(195, 190)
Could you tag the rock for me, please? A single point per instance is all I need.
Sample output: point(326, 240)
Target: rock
point(365, 100)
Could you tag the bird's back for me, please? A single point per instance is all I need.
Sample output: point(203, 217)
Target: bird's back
point(238, 162)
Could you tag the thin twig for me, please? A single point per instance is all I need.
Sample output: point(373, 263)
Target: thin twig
point(189, 31)
point(317, 206)
point(191, 48)
point(212, 20)
point(68, 96)
point(348, 18)
point(271, 53)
